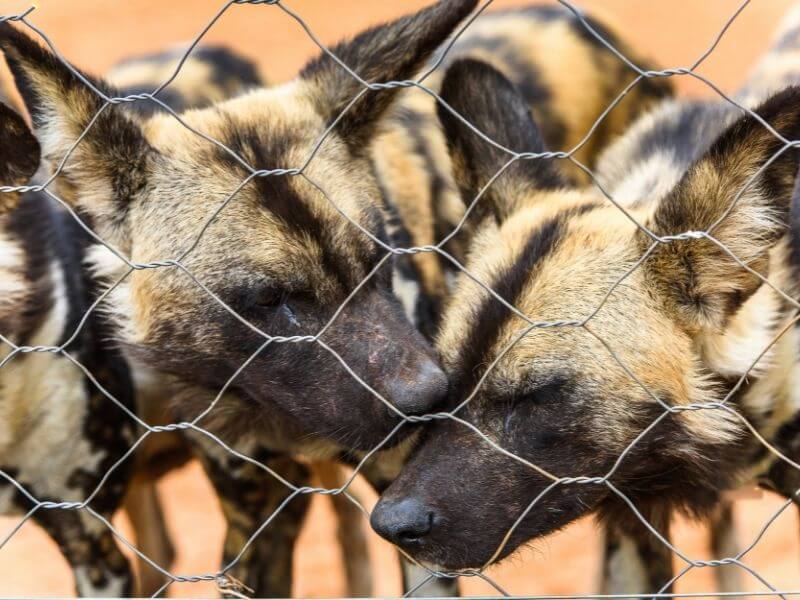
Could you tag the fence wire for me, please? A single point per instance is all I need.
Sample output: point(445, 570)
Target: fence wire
point(221, 576)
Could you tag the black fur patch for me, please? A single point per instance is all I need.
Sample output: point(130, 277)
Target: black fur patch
point(794, 230)
point(486, 99)
point(228, 71)
point(19, 150)
point(390, 52)
point(32, 225)
point(491, 317)
point(229, 66)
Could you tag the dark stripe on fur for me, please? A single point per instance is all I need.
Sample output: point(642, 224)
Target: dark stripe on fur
point(278, 195)
point(490, 319)
point(32, 225)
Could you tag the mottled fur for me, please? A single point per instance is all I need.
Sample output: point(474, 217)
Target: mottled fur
point(248, 496)
point(209, 74)
point(688, 323)
point(568, 78)
point(60, 434)
point(280, 253)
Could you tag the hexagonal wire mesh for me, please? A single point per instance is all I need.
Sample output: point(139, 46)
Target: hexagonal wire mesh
point(258, 171)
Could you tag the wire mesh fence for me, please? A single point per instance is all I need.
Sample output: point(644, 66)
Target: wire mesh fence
point(177, 262)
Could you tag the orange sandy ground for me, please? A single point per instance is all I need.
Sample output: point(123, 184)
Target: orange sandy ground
point(96, 33)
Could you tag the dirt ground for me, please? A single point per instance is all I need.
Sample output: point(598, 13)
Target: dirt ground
point(94, 34)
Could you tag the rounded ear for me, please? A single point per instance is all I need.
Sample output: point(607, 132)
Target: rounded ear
point(19, 155)
point(111, 163)
point(489, 102)
point(392, 52)
point(741, 190)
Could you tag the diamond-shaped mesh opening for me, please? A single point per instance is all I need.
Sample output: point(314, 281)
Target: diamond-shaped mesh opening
point(228, 455)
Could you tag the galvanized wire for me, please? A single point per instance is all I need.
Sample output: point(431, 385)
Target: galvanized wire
point(583, 322)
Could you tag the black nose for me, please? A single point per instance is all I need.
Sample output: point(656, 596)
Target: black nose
point(423, 393)
point(405, 523)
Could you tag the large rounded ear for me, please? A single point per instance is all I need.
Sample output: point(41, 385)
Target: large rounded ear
point(490, 103)
point(19, 155)
point(109, 166)
point(392, 52)
point(743, 203)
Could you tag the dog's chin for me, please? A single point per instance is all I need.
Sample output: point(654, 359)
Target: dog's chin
point(447, 558)
point(442, 560)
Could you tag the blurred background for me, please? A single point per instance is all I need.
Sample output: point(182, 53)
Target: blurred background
point(95, 34)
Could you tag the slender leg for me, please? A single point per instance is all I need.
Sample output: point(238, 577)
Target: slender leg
point(100, 568)
point(725, 544)
point(89, 546)
point(350, 532)
point(783, 477)
point(249, 497)
point(152, 536)
point(635, 561)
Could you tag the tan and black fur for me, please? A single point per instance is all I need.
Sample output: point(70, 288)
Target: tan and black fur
point(61, 437)
point(279, 254)
point(211, 74)
point(687, 323)
point(207, 75)
point(568, 78)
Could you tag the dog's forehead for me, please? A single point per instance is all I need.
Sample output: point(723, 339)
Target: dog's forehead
point(570, 264)
point(274, 113)
point(275, 216)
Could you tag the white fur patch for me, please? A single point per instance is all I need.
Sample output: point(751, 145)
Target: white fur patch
point(117, 306)
point(408, 292)
point(114, 588)
point(12, 282)
point(649, 180)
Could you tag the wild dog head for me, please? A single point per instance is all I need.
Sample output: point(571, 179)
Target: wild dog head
point(572, 399)
point(19, 160)
point(280, 254)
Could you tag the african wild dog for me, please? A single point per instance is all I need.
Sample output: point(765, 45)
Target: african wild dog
point(688, 322)
point(279, 253)
point(207, 75)
point(634, 559)
point(60, 434)
point(46, 291)
point(211, 74)
point(568, 78)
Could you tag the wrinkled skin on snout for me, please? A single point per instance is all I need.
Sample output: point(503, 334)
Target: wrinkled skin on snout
point(305, 386)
